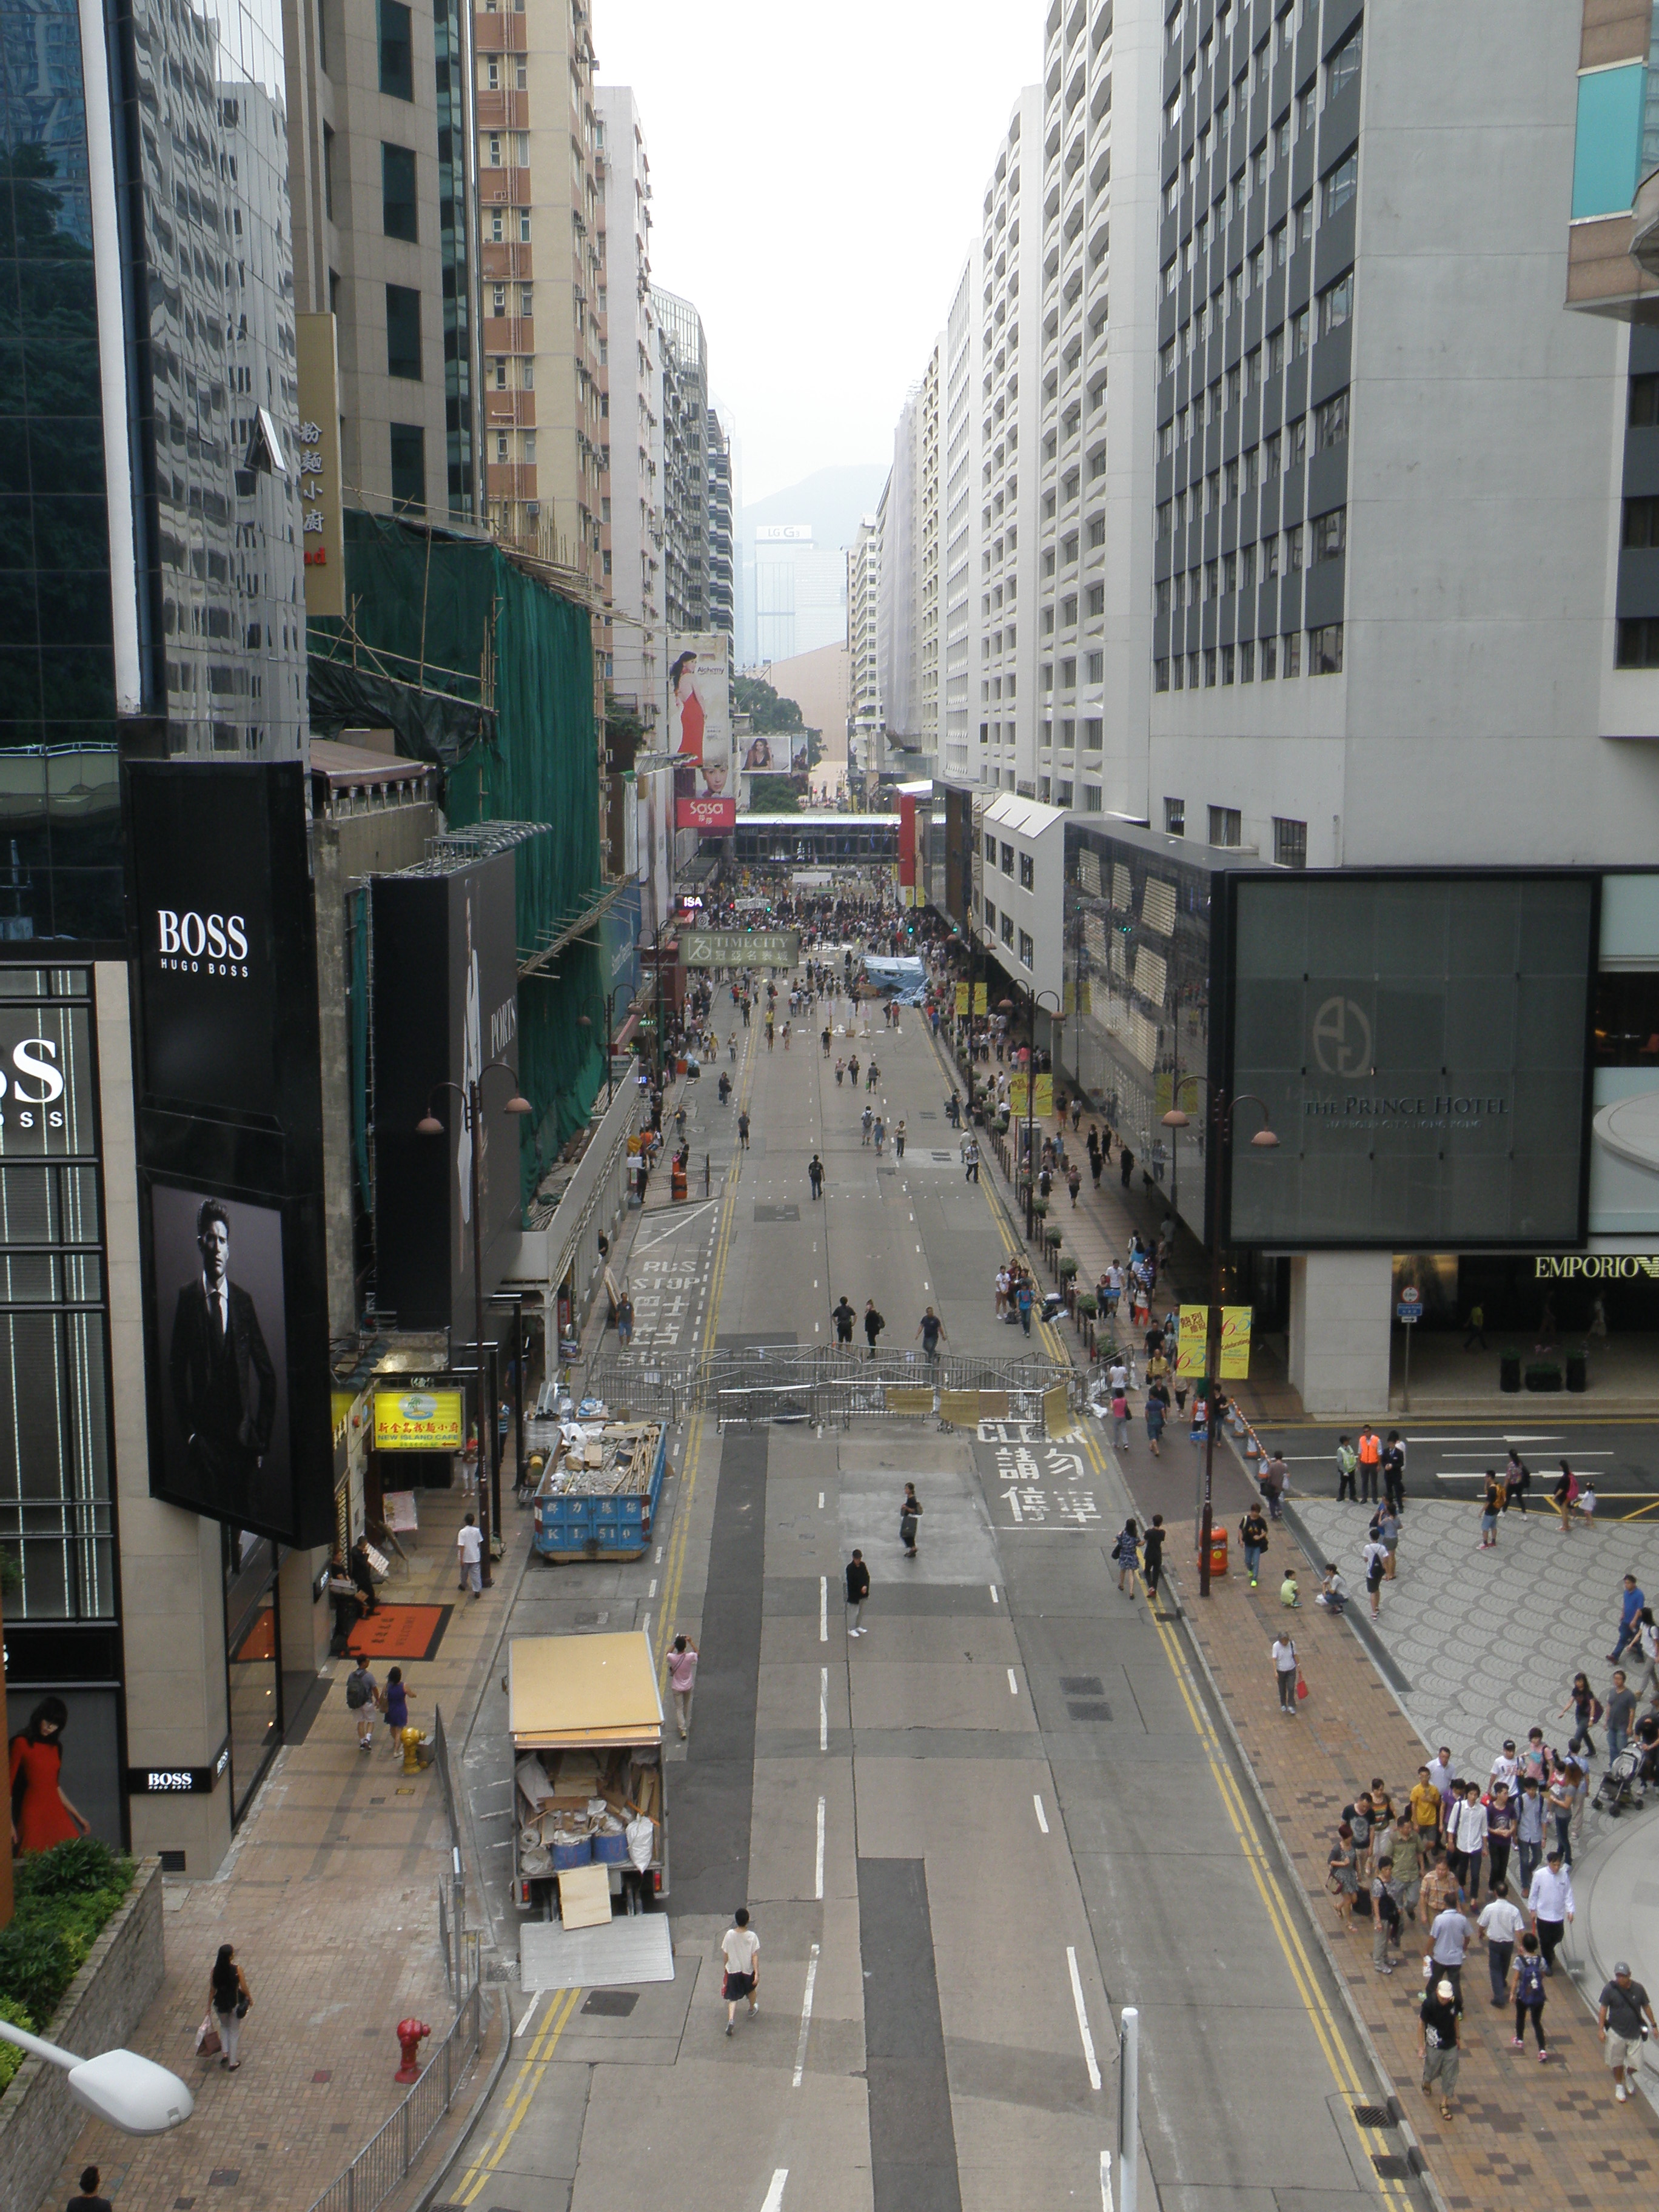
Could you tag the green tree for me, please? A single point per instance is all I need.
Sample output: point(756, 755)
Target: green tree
point(775, 794)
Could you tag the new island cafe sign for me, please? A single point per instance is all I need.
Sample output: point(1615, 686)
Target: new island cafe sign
point(419, 1420)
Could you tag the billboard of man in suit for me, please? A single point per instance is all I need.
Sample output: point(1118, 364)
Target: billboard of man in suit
point(224, 1382)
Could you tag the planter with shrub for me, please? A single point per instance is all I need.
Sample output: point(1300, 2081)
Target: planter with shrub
point(1543, 1375)
point(1509, 1371)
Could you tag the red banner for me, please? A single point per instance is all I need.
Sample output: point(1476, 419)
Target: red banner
point(707, 814)
point(907, 839)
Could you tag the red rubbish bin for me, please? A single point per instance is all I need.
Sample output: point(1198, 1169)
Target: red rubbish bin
point(1218, 1549)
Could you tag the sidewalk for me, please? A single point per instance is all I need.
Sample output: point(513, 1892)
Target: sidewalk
point(330, 1895)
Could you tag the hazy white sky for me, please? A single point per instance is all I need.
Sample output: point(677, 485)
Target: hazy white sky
point(817, 175)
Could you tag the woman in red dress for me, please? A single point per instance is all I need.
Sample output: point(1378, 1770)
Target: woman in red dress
point(682, 682)
point(41, 1813)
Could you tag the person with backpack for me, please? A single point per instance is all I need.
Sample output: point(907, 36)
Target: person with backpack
point(844, 1318)
point(909, 1514)
point(1127, 1552)
point(1376, 1559)
point(874, 1323)
point(1526, 1994)
point(362, 1693)
point(1517, 1482)
point(1253, 1536)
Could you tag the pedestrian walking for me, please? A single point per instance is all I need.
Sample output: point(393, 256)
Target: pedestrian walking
point(844, 1317)
point(1119, 1419)
point(970, 1161)
point(1095, 1156)
point(1586, 1708)
point(469, 1547)
point(815, 1176)
point(1385, 1913)
point(228, 2001)
point(1630, 1619)
point(1376, 1558)
point(852, 1070)
point(394, 1704)
point(1342, 1876)
point(823, 1038)
point(1286, 1670)
point(1490, 1505)
point(1449, 1943)
point(1074, 1182)
point(362, 1695)
point(1526, 1994)
point(1272, 1479)
point(1549, 1902)
point(1477, 1331)
point(743, 1132)
point(1157, 1410)
point(1623, 2017)
point(1436, 2042)
point(881, 1135)
point(1517, 1482)
point(1622, 1714)
point(1253, 1536)
point(1564, 1497)
point(1500, 1833)
point(681, 1681)
point(624, 1318)
point(90, 2200)
point(1393, 1471)
point(1503, 1923)
point(1023, 1300)
point(898, 1138)
point(1154, 1558)
point(858, 1588)
point(1529, 1830)
point(1385, 1527)
point(841, 1073)
point(1127, 1552)
point(909, 1515)
point(1347, 1468)
point(867, 1122)
point(740, 1948)
point(1126, 1163)
point(874, 1323)
point(1466, 1837)
point(930, 1329)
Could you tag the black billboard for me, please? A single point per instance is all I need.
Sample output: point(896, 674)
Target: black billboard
point(1420, 1042)
point(221, 927)
point(446, 1005)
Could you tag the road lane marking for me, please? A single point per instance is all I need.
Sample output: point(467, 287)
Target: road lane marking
point(823, 1709)
point(1013, 1686)
point(528, 2017)
point(805, 2014)
point(995, 1600)
point(1089, 2058)
point(823, 1609)
point(817, 1889)
point(528, 2080)
point(652, 1592)
point(774, 2194)
point(1106, 2181)
point(820, 1501)
point(1042, 1818)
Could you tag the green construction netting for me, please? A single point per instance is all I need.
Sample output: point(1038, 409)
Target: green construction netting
point(488, 673)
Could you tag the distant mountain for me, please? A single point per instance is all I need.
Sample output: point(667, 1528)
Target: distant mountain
point(832, 500)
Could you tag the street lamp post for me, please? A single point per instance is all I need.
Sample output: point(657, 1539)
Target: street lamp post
point(515, 1299)
point(430, 1126)
point(1222, 1110)
point(128, 2090)
point(1037, 999)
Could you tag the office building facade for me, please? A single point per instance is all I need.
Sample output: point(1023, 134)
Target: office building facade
point(633, 378)
point(684, 477)
point(863, 593)
point(958, 634)
point(722, 574)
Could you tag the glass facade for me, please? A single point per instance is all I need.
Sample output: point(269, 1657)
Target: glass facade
point(56, 1513)
point(1137, 996)
point(455, 228)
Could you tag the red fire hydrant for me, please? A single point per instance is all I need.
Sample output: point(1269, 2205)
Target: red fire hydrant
point(410, 2032)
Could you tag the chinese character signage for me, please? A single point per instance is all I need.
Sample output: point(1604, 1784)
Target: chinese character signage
point(322, 528)
point(961, 998)
point(982, 997)
point(1235, 1342)
point(418, 1420)
point(739, 948)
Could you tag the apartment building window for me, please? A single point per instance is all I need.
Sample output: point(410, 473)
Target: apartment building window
point(1281, 243)
point(1643, 402)
point(492, 74)
point(328, 171)
point(1269, 658)
point(397, 50)
point(526, 297)
point(499, 366)
point(1095, 601)
point(1068, 676)
point(1638, 643)
point(527, 375)
point(1093, 731)
point(498, 300)
point(1247, 569)
point(1290, 843)
point(1068, 549)
point(1292, 656)
point(1343, 66)
point(1209, 668)
point(1096, 667)
point(1229, 572)
point(501, 446)
point(1641, 522)
point(1097, 530)
point(495, 149)
point(1295, 442)
point(403, 332)
point(1330, 535)
point(1226, 664)
point(1068, 610)
point(1325, 650)
point(1161, 673)
point(1335, 305)
point(1302, 332)
point(398, 211)
point(1027, 873)
point(524, 226)
point(1225, 826)
point(1331, 423)
point(1007, 859)
point(408, 468)
point(1178, 669)
point(1246, 662)
point(1027, 948)
point(1339, 184)
point(497, 233)
point(990, 915)
point(1269, 558)
point(1175, 817)
point(1192, 671)
point(1209, 580)
point(1043, 788)
point(1301, 218)
point(991, 852)
point(1005, 929)
point(1293, 549)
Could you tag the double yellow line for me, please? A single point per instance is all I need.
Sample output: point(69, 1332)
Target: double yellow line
point(1281, 1914)
point(525, 2084)
point(694, 1433)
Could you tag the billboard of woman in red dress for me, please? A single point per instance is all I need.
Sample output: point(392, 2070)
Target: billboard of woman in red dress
point(41, 1813)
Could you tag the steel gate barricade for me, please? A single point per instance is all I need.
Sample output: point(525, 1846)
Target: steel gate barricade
point(821, 1384)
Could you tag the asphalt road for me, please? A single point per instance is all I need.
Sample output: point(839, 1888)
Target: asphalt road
point(969, 1837)
point(1449, 1458)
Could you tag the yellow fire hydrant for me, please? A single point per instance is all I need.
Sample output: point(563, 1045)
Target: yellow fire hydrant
point(416, 1755)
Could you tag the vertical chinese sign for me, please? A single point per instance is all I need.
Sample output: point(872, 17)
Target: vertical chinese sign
point(320, 499)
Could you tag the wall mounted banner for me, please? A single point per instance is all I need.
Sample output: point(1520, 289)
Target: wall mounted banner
point(1235, 1342)
point(419, 1420)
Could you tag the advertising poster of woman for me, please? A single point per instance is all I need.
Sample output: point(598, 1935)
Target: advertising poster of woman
point(699, 732)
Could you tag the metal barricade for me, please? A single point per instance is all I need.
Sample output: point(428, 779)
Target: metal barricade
point(388, 2158)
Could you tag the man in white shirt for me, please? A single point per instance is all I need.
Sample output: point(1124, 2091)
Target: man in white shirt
point(740, 1948)
point(1506, 1769)
point(1443, 1772)
point(1466, 1836)
point(469, 1548)
point(1550, 1902)
point(1502, 1923)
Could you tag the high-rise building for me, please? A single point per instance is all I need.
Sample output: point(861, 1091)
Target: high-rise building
point(896, 596)
point(863, 590)
point(1093, 608)
point(959, 634)
point(1010, 290)
point(929, 557)
point(384, 239)
point(722, 596)
point(634, 372)
point(546, 411)
point(684, 412)
point(800, 593)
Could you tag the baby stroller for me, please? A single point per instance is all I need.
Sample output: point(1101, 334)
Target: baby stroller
point(1622, 1784)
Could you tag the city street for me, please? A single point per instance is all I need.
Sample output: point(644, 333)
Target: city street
point(968, 1837)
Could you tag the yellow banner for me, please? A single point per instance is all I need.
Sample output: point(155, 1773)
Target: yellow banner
point(1016, 1097)
point(1045, 1096)
point(1190, 1352)
point(419, 1420)
point(1235, 1342)
point(982, 997)
point(961, 998)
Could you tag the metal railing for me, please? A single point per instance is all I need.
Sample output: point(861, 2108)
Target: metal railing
point(388, 2158)
point(808, 1384)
